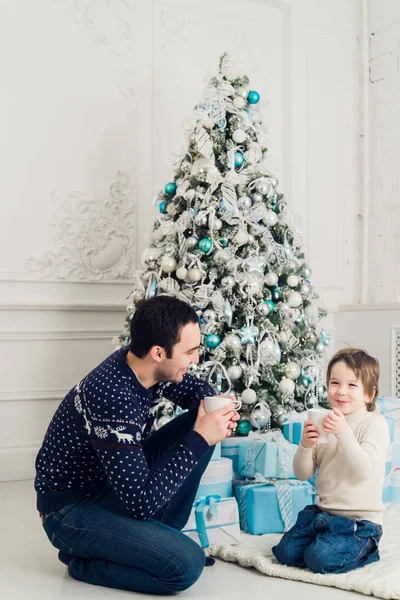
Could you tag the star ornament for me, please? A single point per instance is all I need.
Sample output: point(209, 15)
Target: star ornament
point(255, 265)
point(248, 334)
point(324, 337)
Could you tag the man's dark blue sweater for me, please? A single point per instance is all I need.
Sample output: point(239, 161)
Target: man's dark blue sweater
point(96, 435)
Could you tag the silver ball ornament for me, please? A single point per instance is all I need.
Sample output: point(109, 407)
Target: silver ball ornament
point(242, 91)
point(186, 166)
point(239, 102)
point(191, 242)
point(262, 188)
point(194, 275)
point(181, 273)
point(307, 272)
point(270, 219)
point(271, 278)
point(217, 224)
point(138, 296)
point(209, 314)
point(287, 385)
point(257, 197)
point(263, 309)
point(232, 342)
point(239, 136)
point(305, 289)
point(292, 370)
point(201, 220)
point(295, 300)
point(249, 396)
point(235, 372)
point(227, 282)
point(244, 202)
point(157, 236)
point(260, 417)
point(168, 264)
point(292, 281)
point(320, 348)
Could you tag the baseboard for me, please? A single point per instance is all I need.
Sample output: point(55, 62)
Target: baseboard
point(17, 463)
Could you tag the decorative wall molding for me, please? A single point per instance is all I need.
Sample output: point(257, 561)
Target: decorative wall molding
point(32, 395)
point(94, 237)
point(108, 25)
point(35, 336)
point(39, 306)
point(395, 362)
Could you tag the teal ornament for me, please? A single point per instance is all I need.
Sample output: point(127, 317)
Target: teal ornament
point(193, 212)
point(228, 312)
point(274, 201)
point(162, 207)
point(222, 206)
point(239, 159)
point(213, 340)
point(324, 338)
point(170, 188)
point(224, 242)
point(244, 427)
point(270, 304)
point(304, 379)
point(222, 125)
point(276, 292)
point(287, 248)
point(300, 319)
point(152, 289)
point(253, 97)
point(206, 107)
point(125, 340)
point(205, 245)
point(248, 334)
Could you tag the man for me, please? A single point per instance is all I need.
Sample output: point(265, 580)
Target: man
point(112, 498)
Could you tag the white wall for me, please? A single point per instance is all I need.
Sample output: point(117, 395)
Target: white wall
point(371, 325)
point(92, 102)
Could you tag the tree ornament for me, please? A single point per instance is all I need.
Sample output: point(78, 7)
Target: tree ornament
point(228, 312)
point(263, 187)
point(292, 370)
point(248, 334)
point(287, 385)
point(271, 279)
point(257, 197)
point(181, 273)
point(320, 348)
point(248, 396)
point(217, 224)
point(172, 209)
point(138, 296)
point(210, 314)
point(261, 416)
point(191, 242)
point(221, 256)
point(244, 202)
point(157, 236)
point(270, 305)
point(194, 275)
point(227, 282)
point(269, 353)
point(270, 219)
point(324, 337)
point(239, 136)
point(186, 166)
point(152, 289)
point(232, 342)
point(213, 340)
point(168, 264)
point(235, 372)
point(253, 97)
point(310, 337)
point(307, 272)
point(239, 102)
point(295, 299)
point(263, 309)
point(170, 188)
point(206, 245)
point(292, 281)
point(244, 427)
point(305, 289)
point(239, 159)
point(242, 91)
point(224, 242)
point(201, 220)
point(162, 207)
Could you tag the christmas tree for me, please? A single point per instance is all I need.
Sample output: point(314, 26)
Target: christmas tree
point(225, 242)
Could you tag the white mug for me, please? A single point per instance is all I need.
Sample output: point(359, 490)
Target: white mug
point(214, 402)
point(317, 416)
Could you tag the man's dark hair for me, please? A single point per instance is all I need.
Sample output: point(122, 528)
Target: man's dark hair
point(159, 322)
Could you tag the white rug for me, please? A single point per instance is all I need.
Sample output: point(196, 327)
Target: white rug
point(380, 579)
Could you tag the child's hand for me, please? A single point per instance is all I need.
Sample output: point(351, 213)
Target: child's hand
point(310, 435)
point(335, 422)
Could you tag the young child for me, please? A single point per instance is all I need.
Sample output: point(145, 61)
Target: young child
point(342, 531)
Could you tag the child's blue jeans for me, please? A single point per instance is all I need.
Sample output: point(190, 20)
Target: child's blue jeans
point(328, 544)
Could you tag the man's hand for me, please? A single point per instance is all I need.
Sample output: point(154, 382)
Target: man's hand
point(310, 435)
point(335, 422)
point(216, 425)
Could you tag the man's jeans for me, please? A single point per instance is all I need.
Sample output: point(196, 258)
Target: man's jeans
point(103, 545)
point(328, 544)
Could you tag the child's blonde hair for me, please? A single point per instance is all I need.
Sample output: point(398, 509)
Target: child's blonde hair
point(365, 368)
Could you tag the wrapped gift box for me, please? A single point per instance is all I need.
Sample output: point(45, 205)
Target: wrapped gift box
point(216, 479)
point(259, 508)
point(259, 455)
point(293, 426)
point(217, 452)
point(396, 455)
point(214, 520)
point(395, 487)
point(392, 424)
point(230, 449)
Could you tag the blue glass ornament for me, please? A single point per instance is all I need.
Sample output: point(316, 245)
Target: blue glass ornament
point(193, 212)
point(205, 245)
point(276, 292)
point(222, 125)
point(253, 97)
point(304, 379)
point(206, 107)
point(222, 206)
point(152, 289)
point(170, 188)
point(287, 248)
point(213, 340)
point(324, 338)
point(162, 207)
point(270, 304)
point(125, 340)
point(239, 159)
point(248, 334)
point(228, 312)
point(244, 427)
point(224, 242)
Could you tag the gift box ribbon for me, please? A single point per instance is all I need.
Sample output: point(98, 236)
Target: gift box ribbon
point(200, 506)
point(255, 446)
